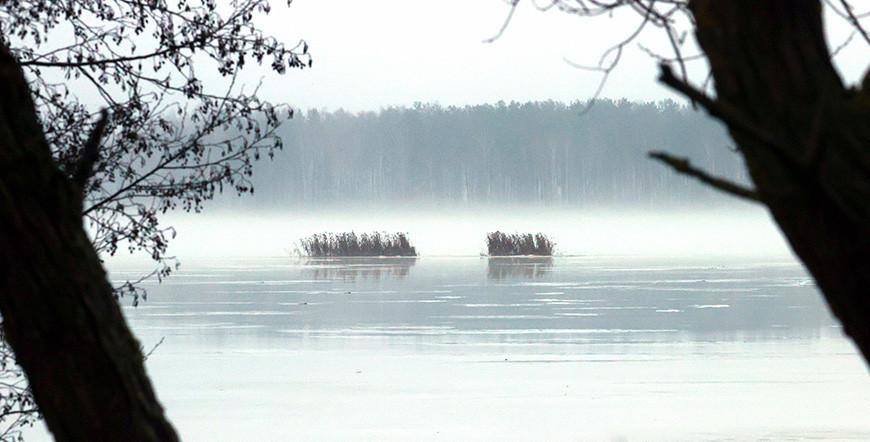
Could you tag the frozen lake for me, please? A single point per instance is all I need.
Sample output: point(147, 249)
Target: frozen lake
point(569, 348)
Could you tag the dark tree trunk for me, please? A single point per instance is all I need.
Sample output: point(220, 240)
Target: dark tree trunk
point(84, 366)
point(807, 141)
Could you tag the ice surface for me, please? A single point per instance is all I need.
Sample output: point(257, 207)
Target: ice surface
point(285, 356)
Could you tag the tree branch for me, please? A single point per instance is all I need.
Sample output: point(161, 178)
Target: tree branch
point(90, 152)
point(683, 166)
point(148, 355)
point(850, 16)
point(102, 62)
point(507, 21)
point(716, 108)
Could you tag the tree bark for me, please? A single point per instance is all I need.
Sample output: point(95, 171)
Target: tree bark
point(808, 148)
point(85, 367)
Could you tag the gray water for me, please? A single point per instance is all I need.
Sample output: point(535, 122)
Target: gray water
point(566, 348)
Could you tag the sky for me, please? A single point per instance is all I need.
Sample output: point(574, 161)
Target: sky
point(373, 54)
point(378, 53)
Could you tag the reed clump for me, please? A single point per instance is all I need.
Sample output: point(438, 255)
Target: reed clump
point(518, 244)
point(340, 244)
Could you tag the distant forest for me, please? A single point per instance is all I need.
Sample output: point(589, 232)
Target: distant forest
point(538, 152)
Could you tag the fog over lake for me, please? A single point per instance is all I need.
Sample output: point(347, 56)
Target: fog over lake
point(449, 231)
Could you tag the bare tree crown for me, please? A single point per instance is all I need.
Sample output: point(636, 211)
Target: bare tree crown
point(169, 140)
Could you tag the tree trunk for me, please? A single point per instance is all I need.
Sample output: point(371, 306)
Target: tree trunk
point(807, 141)
point(59, 313)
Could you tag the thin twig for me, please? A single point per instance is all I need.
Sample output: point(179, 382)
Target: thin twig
point(506, 22)
point(90, 152)
point(730, 116)
point(147, 355)
point(854, 20)
point(683, 166)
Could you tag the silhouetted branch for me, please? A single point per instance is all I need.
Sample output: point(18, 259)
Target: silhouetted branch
point(850, 16)
point(148, 355)
point(730, 116)
point(90, 152)
point(683, 166)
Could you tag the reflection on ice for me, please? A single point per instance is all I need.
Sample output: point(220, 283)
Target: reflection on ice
point(516, 267)
point(351, 269)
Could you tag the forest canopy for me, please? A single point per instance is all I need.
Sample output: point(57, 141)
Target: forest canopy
point(547, 152)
